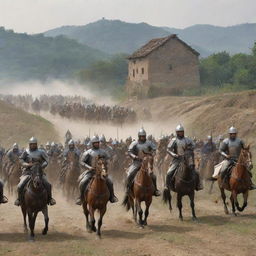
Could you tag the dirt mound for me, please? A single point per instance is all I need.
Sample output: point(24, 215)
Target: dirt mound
point(17, 126)
point(205, 115)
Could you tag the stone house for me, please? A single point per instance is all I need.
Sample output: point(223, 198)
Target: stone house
point(162, 66)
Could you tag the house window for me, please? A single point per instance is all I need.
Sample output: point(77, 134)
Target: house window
point(137, 71)
point(170, 67)
point(142, 71)
point(133, 73)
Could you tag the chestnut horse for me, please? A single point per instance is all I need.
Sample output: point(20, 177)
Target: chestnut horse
point(96, 197)
point(239, 181)
point(142, 191)
point(35, 200)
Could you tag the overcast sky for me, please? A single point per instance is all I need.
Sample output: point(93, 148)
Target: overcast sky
point(34, 16)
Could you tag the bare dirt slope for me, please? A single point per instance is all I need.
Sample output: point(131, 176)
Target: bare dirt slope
point(206, 114)
point(18, 126)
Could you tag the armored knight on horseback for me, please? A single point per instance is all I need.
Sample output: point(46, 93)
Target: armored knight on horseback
point(87, 161)
point(28, 158)
point(230, 149)
point(177, 148)
point(136, 147)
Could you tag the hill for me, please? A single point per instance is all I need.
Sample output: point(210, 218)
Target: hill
point(204, 115)
point(115, 36)
point(18, 126)
point(25, 56)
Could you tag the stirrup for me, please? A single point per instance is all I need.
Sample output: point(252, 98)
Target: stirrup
point(157, 193)
point(52, 202)
point(78, 201)
point(113, 199)
point(17, 202)
point(4, 200)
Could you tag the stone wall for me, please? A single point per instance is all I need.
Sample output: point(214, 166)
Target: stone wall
point(138, 70)
point(174, 65)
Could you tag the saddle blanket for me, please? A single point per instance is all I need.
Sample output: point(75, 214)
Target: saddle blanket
point(217, 169)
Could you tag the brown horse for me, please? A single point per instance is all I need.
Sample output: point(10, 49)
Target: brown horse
point(13, 176)
point(239, 181)
point(142, 191)
point(34, 201)
point(96, 197)
point(72, 172)
point(184, 185)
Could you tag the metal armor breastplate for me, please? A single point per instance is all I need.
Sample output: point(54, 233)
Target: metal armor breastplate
point(143, 147)
point(94, 153)
point(234, 148)
point(34, 156)
point(181, 146)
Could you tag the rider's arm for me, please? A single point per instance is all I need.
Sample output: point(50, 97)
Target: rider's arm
point(84, 160)
point(132, 150)
point(171, 148)
point(223, 149)
point(45, 159)
point(23, 159)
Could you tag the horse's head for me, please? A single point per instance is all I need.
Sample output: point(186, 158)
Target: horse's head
point(36, 176)
point(101, 166)
point(147, 161)
point(246, 157)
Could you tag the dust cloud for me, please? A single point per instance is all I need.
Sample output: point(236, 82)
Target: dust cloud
point(55, 87)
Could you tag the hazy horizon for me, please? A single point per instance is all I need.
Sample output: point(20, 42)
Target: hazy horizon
point(37, 16)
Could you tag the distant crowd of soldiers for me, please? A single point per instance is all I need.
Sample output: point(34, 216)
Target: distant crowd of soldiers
point(73, 107)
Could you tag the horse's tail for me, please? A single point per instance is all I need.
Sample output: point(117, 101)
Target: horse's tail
point(126, 203)
point(166, 196)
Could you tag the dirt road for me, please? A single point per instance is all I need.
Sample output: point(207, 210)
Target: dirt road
point(215, 234)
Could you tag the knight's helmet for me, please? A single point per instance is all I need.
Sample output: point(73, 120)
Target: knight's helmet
point(95, 139)
point(71, 142)
point(142, 132)
point(32, 140)
point(179, 128)
point(15, 146)
point(232, 129)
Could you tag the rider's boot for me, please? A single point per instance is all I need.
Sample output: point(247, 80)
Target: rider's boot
point(156, 191)
point(79, 200)
point(18, 200)
point(51, 201)
point(112, 198)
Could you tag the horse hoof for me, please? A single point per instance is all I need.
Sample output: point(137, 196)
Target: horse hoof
point(98, 237)
point(234, 214)
point(195, 219)
point(180, 218)
point(44, 232)
point(25, 230)
point(31, 239)
point(227, 212)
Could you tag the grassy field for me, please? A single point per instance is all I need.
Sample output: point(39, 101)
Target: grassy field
point(18, 126)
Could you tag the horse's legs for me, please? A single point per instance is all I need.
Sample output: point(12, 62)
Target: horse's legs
point(46, 220)
point(135, 210)
point(233, 204)
point(211, 187)
point(192, 205)
point(92, 219)
point(245, 196)
point(24, 212)
point(102, 212)
point(179, 205)
point(148, 203)
point(32, 220)
point(140, 212)
point(86, 213)
point(223, 196)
